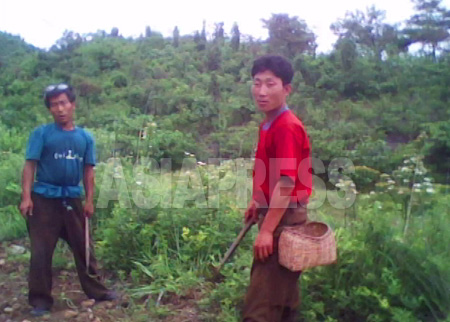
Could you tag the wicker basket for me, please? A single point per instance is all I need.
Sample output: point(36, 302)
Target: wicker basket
point(307, 246)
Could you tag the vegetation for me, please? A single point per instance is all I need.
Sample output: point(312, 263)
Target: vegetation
point(150, 98)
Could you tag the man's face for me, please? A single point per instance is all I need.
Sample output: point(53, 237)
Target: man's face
point(268, 91)
point(62, 109)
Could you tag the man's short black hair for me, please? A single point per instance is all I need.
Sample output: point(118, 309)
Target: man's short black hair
point(55, 90)
point(280, 66)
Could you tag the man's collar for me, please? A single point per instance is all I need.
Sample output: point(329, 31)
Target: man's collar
point(269, 122)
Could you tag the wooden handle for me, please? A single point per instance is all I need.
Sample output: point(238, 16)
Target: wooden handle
point(235, 244)
point(86, 242)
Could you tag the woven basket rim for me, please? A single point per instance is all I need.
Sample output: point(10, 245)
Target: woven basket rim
point(298, 230)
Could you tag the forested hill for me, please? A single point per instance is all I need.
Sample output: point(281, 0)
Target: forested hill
point(368, 99)
point(13, 48)
point(380, 98)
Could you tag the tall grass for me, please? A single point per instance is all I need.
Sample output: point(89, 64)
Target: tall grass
point(12, 224)
point(381, 274)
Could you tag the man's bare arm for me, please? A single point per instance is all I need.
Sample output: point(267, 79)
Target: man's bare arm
point(26, 205)
point(89, 186)
point(281, 197)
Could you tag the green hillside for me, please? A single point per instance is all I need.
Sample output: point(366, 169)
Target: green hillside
point(370, 100)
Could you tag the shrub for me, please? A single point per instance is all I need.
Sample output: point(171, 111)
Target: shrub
point(365, 178)
point(119, 80)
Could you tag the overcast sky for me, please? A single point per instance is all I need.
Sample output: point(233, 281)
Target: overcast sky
point(42, 22)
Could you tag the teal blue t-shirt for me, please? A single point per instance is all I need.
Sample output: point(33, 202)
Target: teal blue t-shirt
point(61, 156)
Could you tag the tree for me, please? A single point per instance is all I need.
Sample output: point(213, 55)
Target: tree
point(235, 37)
point(69, 41)
point(203, 35)
point(148, 32)
point(200, 39)
point(214, 58)
point(290, 36)
point(115, 32)
point(13, 49)
point(87, 89)
point(348, 53)
point(214, 87)
point(367, 31)
point(219, 34)
point(430, 26)
point(176, 37)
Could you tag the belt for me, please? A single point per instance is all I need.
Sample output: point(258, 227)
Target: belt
point(292, 216)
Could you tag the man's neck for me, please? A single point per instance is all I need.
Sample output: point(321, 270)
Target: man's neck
point(271, 115)
point(69, 126)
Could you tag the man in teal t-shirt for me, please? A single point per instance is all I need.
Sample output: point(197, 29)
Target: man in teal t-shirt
point(62, 161)
point(61, 155)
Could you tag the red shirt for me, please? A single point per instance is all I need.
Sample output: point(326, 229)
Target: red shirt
point(283, 150)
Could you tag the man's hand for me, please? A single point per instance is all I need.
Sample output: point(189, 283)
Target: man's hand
point(88, 210)
point(26, 207)
point(250, 213)
point(263, 247)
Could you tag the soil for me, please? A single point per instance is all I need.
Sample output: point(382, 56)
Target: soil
point(71, 304)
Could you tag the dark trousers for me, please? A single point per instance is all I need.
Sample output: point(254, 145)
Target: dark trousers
point(273, 293)
point(50, 221)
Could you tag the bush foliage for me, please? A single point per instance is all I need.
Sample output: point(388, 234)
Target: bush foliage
point(187, 99)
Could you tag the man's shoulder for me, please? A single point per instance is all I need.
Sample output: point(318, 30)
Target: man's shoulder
point(289, 122)
point(43, 129)
point(44, 126)
point(85, 133)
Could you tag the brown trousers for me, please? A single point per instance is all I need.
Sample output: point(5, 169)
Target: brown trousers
point(273, 293)
point(50, 221)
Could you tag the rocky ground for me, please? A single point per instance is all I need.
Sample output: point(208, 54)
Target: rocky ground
point(71, 304)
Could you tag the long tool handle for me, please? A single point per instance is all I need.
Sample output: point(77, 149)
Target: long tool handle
point(86, 242)
point(235, 244)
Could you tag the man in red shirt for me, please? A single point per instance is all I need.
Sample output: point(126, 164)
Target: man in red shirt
point(282, 185)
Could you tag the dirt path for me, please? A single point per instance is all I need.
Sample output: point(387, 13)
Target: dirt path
point(71, 304)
